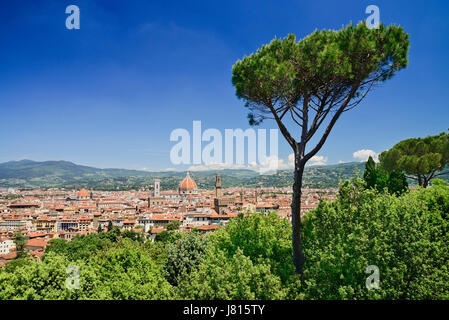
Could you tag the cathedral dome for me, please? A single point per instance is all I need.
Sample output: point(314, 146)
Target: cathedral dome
point(83, 194)
point(187, 184)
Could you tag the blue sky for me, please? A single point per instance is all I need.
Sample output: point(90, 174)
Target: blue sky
point(110, 93)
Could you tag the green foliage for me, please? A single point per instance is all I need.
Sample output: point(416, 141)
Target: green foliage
point(422, 158)
point(17, 263)
point(406, 237)
point(124, 270)
point(370, 174)
point(173, 225)
point(221, 276)
point(439, 182)
point(81, 247)
point(136, 236)
point(127, 271)
point(286, 70)
point(397, 182)
point(377, 178)
point(248, 259)
point(259, 237)
point(167, 236)
point(20, 242)
point(184, 256)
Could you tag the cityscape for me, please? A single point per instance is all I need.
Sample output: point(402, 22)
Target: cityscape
point(223, 158)
point(43, 215)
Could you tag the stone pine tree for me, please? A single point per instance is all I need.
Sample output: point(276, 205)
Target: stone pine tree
point(306, 85)
point(421, 159)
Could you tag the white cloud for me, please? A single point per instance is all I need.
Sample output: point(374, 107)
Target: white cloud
point(272, 164)
point(216, 166)
point(364, 154)
point(317, 161)
point(291, 160)
point(269, 166)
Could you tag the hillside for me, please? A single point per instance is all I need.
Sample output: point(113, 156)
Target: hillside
point(48, 174)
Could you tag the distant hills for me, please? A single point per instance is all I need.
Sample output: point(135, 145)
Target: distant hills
point(65, 174)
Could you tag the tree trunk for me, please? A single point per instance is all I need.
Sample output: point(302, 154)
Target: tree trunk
point(425, 182)
point(298, 256)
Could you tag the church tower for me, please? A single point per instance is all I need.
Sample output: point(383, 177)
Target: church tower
point(220, 203)
point(157, 187)
point(156, 199)
point(217, 186)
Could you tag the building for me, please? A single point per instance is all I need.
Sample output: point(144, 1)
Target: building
point(156, 199)
point(187, 186)
point(221, 203)
point(157, 188)
point(83, 195)
point(67, 223)
point(14, 224)
point(6, 245)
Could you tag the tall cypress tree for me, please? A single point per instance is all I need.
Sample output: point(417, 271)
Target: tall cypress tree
point(370, 175)
point(20, 242)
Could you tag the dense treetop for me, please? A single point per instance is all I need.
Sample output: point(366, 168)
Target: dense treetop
point(421, 158)
point(323, 67)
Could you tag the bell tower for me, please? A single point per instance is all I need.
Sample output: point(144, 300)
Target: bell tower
point(157, 187)
point(217, 186)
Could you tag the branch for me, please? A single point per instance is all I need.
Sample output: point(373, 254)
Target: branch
point(305, 122)
point(331, 124)
point(440, 174)
point(293, 118)
point(282, 127)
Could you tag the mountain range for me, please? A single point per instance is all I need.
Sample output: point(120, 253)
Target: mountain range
point(65, 174)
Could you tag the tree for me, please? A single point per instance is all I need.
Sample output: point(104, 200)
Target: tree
point(439, 182)
point(167, 236)
point(378, 179)
point(184, 256)
point(406, 237)
point(397, 183)
point(136, 236)
point(110, 225)
point(370, 173)
point(20, 242)
point(310, 83)
point(260, 237)
point(173, 225)
point(422, 159)
point(99, 230)
point(124, 271)
point(236, 277)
